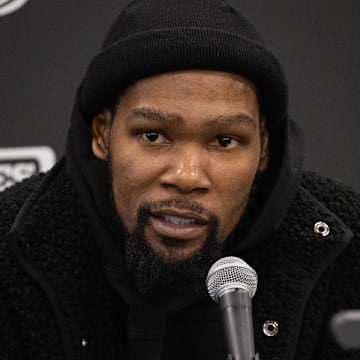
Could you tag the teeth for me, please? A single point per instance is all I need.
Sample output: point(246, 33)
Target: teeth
point(178, 220)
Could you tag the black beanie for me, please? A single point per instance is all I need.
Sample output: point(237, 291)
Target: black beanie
point(157, 36)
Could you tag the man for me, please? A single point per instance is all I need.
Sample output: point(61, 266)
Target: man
point(180, 152)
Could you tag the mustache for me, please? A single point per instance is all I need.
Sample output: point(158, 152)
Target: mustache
point(177, 203)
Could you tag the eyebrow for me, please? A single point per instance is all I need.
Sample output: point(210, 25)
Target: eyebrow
point(155, 115)
point(216, 121)
point(232, 119)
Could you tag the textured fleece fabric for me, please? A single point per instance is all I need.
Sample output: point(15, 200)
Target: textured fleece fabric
point(56, 303)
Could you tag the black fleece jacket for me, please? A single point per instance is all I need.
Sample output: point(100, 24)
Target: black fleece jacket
point(56, 302)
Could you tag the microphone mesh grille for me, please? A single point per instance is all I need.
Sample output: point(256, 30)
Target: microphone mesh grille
point(229, 273)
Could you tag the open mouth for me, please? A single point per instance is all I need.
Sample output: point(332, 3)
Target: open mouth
point(181, 220)
point(178, 220)
point(177, 224)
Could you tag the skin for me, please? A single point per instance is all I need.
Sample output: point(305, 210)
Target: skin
point(193, 139)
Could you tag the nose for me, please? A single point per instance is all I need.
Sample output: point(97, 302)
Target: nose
point(187, 171)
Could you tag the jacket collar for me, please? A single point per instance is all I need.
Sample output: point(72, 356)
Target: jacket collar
point(293, 264)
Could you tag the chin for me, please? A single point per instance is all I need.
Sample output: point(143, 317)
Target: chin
point(172, 251)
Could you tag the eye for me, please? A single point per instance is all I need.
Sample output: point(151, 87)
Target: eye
point(152, 137)
point(225, 141)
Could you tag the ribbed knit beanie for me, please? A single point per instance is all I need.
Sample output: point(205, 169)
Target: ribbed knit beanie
point(157, 36)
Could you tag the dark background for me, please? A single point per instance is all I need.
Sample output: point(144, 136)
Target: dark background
point(46, 46)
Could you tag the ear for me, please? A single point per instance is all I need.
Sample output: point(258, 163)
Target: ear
point(101, 127)
point(264, 139)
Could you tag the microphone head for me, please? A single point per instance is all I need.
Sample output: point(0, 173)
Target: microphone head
point(228, 274)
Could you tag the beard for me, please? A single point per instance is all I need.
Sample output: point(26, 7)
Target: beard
point(160, 273)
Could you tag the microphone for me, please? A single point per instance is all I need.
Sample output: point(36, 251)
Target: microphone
point(232, 283)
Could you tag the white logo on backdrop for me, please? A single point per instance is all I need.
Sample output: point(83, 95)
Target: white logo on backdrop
point(9, 6)
point(19, 163)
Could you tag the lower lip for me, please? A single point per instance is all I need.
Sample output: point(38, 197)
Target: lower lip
point(183, 232)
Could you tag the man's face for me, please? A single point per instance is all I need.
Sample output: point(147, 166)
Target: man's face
point(184, 148)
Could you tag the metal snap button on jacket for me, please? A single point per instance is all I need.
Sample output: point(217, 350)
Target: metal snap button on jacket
point(270, 328)
point(322, 228)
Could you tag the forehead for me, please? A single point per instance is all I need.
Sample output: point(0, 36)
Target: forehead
point(195, 85)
